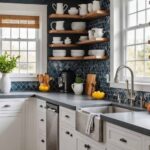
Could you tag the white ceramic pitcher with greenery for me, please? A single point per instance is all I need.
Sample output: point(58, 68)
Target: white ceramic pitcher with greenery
point(7, 64)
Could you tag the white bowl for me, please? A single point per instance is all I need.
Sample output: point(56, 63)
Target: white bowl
point(61, 53)
point(78, 25)
point(73, 11)
point(83, 38)
point(97, 52)
point(77, 53)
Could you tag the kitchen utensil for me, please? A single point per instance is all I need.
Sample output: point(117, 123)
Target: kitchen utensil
point(78, 25)
point(97, 52)
point(90, 84)
point(83, 9)
point(59, 53)
point(98, 32)
point(96, 5)
point(90, 7)
point(83, 38)
point(67, 40)
point(65, 80)
point(73, 11)
point(60, 8)
point(77, 53)
point(59, 25)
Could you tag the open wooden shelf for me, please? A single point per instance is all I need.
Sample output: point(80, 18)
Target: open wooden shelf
point(80, 58)
point(67, 32)
point(93, 41)
point(92, 15)
point(62, 45)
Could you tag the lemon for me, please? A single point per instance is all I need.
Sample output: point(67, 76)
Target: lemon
point(98, 95)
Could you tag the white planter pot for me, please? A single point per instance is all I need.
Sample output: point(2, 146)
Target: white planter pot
point(77, 88)
point(5, 83)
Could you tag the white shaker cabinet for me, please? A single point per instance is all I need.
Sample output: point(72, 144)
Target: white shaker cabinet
point(12, 124)
point(146, 143)
point(112, 147)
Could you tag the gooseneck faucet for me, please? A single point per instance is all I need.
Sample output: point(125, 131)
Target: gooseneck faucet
point(131, 92)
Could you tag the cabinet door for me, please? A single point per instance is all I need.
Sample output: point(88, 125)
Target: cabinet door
point(85, 145)
point(67, 139)
point(112, 147)
point(146, 144)
point(11, 135)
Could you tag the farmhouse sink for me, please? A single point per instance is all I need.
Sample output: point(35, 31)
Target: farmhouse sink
point(82, 116)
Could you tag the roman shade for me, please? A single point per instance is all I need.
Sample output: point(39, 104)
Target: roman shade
point(17, 21)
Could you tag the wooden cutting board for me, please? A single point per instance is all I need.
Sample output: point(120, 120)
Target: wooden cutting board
point(90, 84)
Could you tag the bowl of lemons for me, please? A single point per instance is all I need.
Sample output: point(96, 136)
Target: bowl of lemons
point(98, 95)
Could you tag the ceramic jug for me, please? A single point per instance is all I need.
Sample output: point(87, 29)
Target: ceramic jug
point(83, 9)
point(77, 88)
point(98, 32)
point(59, 25)
point(60, 8)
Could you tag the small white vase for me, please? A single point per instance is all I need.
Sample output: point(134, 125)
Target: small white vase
point(77, 88)
point(5, 83)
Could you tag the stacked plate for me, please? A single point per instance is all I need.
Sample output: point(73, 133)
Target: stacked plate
point(77, 53)
point(97, 52)
point(59, 53)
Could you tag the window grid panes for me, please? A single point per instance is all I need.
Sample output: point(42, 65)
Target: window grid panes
point(137, 36)
point(23, 42)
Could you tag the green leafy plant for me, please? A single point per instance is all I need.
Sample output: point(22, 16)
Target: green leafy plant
point(8, 63)
point(78, 79)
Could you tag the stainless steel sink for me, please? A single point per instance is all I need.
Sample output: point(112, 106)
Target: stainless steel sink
point(82, 116)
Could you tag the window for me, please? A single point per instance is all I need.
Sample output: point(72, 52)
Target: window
point(23, 31)
point(19, 36)
point(130, 33)
point(137, 49)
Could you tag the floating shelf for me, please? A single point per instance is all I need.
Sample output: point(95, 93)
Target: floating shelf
point(67, 32)
point(93, 15)
point(80, 58)
point(62, 45)
point(94, 41)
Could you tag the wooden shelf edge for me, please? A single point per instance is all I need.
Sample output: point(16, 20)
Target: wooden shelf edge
point(80, 58)
point(62, 45)
point(67, 32)
point(97, 40)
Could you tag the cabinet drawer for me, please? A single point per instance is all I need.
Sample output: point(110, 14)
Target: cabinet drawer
point(67, 116)
point(123, 138)
point(41, 106)
point(11, 105)
point(42, 143)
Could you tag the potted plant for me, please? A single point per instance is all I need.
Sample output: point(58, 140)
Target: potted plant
point(7, 64)
point(77, 87)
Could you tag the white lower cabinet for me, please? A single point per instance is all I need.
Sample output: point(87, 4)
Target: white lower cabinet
point(112, 147)
point(146, 143)
point(67, 139)
point(12, 124)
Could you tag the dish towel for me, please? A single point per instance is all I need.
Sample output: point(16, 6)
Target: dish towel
point(90, 123)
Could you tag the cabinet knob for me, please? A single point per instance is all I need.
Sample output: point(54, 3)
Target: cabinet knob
point(67, 116)
point(42, 120)
point(43, 141)
point(87, 146)
point(41, 106)
point(67, 132)
point(71, 135)
point(6, 106)
point(123, 140)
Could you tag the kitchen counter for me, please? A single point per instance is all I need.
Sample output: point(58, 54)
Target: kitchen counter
point(67, 100)
point(135, 121)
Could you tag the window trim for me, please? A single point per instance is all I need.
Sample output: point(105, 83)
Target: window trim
point(36, 10)
point(117, 45)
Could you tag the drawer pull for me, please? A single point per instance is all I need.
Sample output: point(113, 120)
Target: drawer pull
point(87, 146)
point(41, 106)
point(67, 116)
point(71, 135)
point(67, 132)
point(123, 140)
point(43, 141)
point(42, 120)
point(6, 106)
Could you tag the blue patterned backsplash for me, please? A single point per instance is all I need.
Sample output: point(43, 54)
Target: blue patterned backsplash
point(100, 68)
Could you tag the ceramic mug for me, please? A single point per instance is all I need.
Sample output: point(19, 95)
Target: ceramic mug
point(96, 5)
point(60, 8)
point(98, 32)
point(59, 25)
point(77, 88)
point(83, 9)
point(90, 7)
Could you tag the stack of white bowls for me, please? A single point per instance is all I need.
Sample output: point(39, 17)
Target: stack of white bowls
point(59, 53)
point(97, 52)
point(77, 53)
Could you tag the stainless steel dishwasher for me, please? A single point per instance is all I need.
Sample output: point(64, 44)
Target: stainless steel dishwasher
point(52, 126)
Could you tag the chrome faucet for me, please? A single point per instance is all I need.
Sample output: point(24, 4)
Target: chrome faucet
point(131, 93)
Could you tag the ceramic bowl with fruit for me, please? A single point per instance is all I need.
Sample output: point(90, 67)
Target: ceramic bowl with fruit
point(98, 95)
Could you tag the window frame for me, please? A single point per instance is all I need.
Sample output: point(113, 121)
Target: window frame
point(35, 10)
point(117, 46)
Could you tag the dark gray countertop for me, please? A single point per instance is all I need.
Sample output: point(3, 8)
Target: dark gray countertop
point(136, 121)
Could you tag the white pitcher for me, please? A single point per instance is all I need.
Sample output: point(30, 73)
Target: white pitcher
point(96, 5)
point(83, 10)
point(77, 88)
point(59, 25)
point(60, 8)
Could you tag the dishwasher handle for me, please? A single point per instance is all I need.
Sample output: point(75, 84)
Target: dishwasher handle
point(51, 109)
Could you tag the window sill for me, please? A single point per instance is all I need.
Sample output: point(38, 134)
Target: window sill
point(137, 86)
